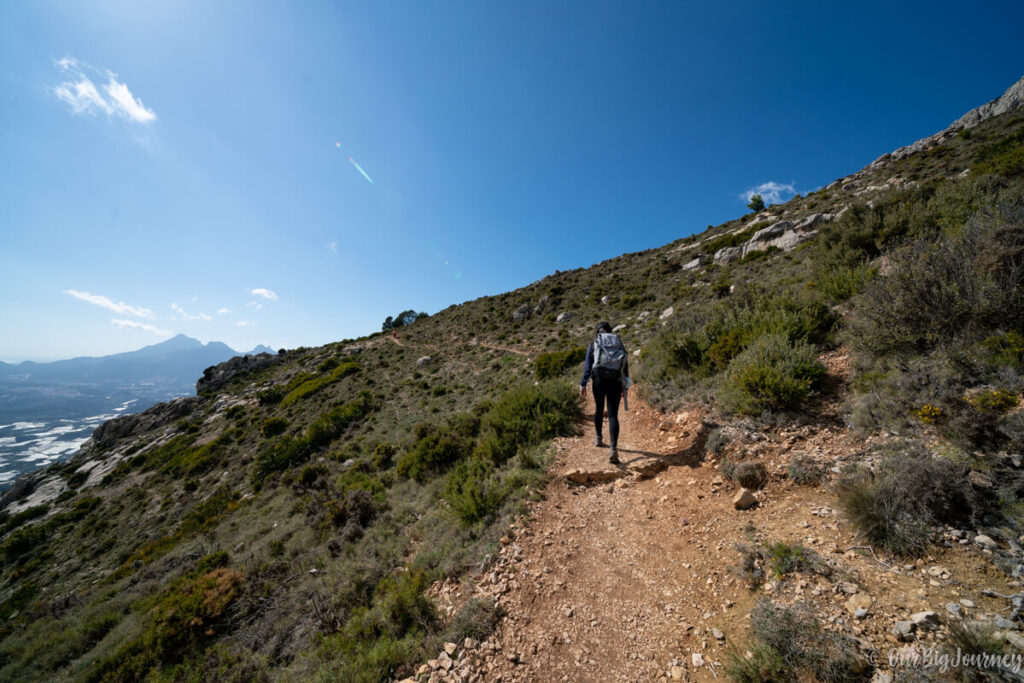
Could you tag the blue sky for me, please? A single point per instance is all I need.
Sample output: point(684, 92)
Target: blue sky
point(172, 166)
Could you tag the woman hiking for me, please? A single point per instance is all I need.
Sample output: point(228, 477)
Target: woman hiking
point(608, 365)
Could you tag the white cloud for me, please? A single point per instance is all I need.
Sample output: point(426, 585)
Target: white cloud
point(265, 293)
point(127, 104)
point(771, 192)
point(243, 323)
point(136, 325)
point(187, 316)
point(224, 311)
point(118, 307)
point(82, 95)
point(254, 304)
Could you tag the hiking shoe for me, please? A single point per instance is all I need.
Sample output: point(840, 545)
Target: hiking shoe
point(597, 440)
point(614, 457)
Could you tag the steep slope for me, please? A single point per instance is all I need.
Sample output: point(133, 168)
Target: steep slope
point(337, 513)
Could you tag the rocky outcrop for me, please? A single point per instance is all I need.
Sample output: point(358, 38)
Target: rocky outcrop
point(112, 431)
point(728, 255)
point(217, 376)
point(784, 235)
point(521, 313)
point(695, 263)
point(1010, 100)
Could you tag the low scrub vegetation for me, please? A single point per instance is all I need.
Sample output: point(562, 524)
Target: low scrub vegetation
point(771, 374)
point(938, 337)
point(789, 644)
point(286, 452)
point(759, 349)
point(553, 364)
point(181, 618)
point(897, 505)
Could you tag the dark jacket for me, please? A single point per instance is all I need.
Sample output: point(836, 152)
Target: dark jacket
point(588, 366)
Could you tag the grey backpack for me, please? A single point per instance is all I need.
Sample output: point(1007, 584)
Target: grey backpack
point(609, 356)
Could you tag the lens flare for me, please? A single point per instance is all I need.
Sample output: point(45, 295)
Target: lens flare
point(360, 169)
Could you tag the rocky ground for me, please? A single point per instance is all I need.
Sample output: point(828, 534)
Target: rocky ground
point(633, 573)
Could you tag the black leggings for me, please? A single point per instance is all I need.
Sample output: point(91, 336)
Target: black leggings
point(612, 392)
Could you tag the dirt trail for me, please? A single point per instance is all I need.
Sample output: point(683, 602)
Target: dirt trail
point(612, 575)
point(633, 575)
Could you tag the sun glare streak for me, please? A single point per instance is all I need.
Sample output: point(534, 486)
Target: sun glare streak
point(360, 169)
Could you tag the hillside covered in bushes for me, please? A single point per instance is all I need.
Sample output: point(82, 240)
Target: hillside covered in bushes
point(289, 521)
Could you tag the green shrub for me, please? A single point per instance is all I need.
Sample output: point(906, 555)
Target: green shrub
point(328, 364)
point(1006, 349)
point(725, 348)
point(315, 384)
point(1004, 157)
point(17, 519)
point(551, 365)
point(772, 374)
point(806, 471)
point(897, 506)
point(376, 639)
point(672, 353)
point(693, 347)
point(271, 396)
point(476, 619)
point(787, 558)
point(935, 292)
point(272, 426)
point(193, 460)
point(749, 475)
point(279, 455)
point(789, 644)
point(352, 513)
point(81, 509)
point(433, 451)
point(22, 541)
point(335, 421)
point(183, 618)
point(207, 512)
point(994, 401)
point(839, 283)
point(527, 416)
point(473, 491)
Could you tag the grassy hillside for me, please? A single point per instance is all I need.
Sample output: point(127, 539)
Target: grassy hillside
point(288, 521)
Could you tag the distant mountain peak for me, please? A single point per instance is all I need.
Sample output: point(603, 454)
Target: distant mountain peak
point(260, 348)
point(179, 342)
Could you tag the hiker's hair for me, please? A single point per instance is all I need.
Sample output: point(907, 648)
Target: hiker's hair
point(604, 327)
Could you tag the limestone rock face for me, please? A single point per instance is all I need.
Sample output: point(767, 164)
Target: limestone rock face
point(728, 255)
point(162, 413)
point(695, 263)
point(1012, 99)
